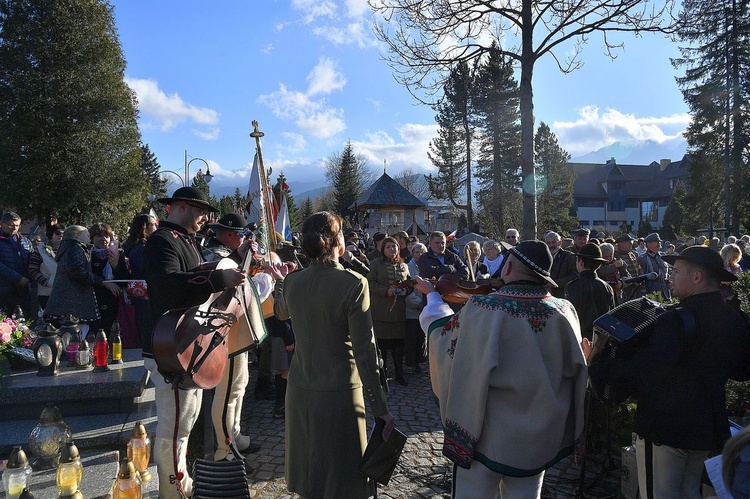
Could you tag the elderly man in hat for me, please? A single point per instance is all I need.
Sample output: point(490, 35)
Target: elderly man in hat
point(510, 376)
point(591, 296)
point(229, 242)
point(625, 259)
point(580, 237)
point(563, 264)
point(177, 278)
point(678, 375)
point(653, 265)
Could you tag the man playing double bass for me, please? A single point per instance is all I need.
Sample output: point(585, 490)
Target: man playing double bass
point(177, 279)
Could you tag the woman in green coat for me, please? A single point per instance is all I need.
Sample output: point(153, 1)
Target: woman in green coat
point(389, 304)
point(333, 370)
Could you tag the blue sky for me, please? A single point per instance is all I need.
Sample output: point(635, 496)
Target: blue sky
point(310, 72)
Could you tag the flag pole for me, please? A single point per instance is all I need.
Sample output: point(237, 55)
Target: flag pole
point(257, 134)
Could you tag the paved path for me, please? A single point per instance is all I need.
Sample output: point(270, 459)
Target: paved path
point(422, 472)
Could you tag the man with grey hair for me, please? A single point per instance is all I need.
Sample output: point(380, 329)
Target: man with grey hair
point(613, 272)
point(14, 262)
point(512, 237)
point(563, 264)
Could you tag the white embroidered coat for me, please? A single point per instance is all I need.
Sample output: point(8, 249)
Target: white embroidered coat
point(510, 377)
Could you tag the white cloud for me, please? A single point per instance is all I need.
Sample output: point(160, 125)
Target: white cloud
point(409, 149)
point(309, 113)
point(356, 8)
point(312, 9)
point(296, 142)
point(357, 32)
point(169, 110)
point(594, 130)
point(267, 49)
point(211, 134)
point(324, 79)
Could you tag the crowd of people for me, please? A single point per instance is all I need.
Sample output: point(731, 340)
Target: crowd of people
point(509, 367)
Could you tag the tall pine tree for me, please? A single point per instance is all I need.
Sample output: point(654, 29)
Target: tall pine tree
point(495, 104)
point(554, 184)
point(70, 142)
point(281, 188)
point(716, 58)
point(451, 151)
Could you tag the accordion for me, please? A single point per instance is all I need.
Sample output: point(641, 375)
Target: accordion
point(623, 330)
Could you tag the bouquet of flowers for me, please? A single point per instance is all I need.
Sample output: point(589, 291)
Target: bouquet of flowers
point(15, 334)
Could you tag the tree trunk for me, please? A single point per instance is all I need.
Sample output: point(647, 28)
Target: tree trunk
point(526, 95)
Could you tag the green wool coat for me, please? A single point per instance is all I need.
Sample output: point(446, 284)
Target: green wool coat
point(333, 370)
point(388, 312)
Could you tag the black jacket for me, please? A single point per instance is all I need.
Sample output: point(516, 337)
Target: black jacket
point(430, 266)
point(678, 378)
point(591, 298)
point(173, 274)
point(563, 271)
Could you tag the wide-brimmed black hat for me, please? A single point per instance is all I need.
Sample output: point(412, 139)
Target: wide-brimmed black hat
point(230, 221)
point(705, 258)
point(591, 251)
point(536, 256)
point(190, 195)
point(625, 237)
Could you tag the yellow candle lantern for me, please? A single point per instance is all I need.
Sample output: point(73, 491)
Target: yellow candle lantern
point(139, 451)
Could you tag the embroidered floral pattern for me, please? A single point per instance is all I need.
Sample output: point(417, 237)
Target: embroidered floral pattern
point(452, 349)
point(450, 325)
point(523, 301)
point(458, 444)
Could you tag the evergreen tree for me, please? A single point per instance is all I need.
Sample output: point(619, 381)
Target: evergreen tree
point(70, 142)
point(716, 58)
point(451, 151)
point(238, 200)
point(674, 215)
point(199, 181)
point(345, 182)
point(158, 184)
point(226, 205)
point(305, 211)
point(554, 184)
point(495, 104)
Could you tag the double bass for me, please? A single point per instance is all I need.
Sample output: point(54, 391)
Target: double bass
point(190, 345)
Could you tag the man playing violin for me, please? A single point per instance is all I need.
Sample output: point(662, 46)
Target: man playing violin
point(229, 242)
point(176, 279)
point(510, 377)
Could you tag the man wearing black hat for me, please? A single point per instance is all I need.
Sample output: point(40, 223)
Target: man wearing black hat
point(176, 279)
point(652, 264)
point(510, 377)
point(591, 296)
point(229, 242)
point(678, 377)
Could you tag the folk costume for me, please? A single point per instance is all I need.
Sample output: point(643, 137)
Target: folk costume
point(510, 378)
point(678, 378)
point(226, 408)
point(175, 280)
point(333, 371)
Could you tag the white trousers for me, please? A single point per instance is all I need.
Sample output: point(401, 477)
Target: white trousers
point(173, 410)
point(676, 472)
point(480, 482)
point(227, 406)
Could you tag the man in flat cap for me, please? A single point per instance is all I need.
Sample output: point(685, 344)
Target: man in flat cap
point(625, 259)
point(510, 377)
point(580, 237)
point(652, 264)
point(402, 238)
point(677, 377)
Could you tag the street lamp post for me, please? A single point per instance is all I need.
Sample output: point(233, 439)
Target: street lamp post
point(208, 177)
point(185, 179)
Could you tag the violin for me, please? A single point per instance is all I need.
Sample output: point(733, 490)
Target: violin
point(454, 289)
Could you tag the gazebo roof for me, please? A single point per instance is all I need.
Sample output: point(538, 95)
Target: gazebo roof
point(386, 193)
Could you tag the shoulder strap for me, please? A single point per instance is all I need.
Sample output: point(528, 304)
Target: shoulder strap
point(688, 320)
